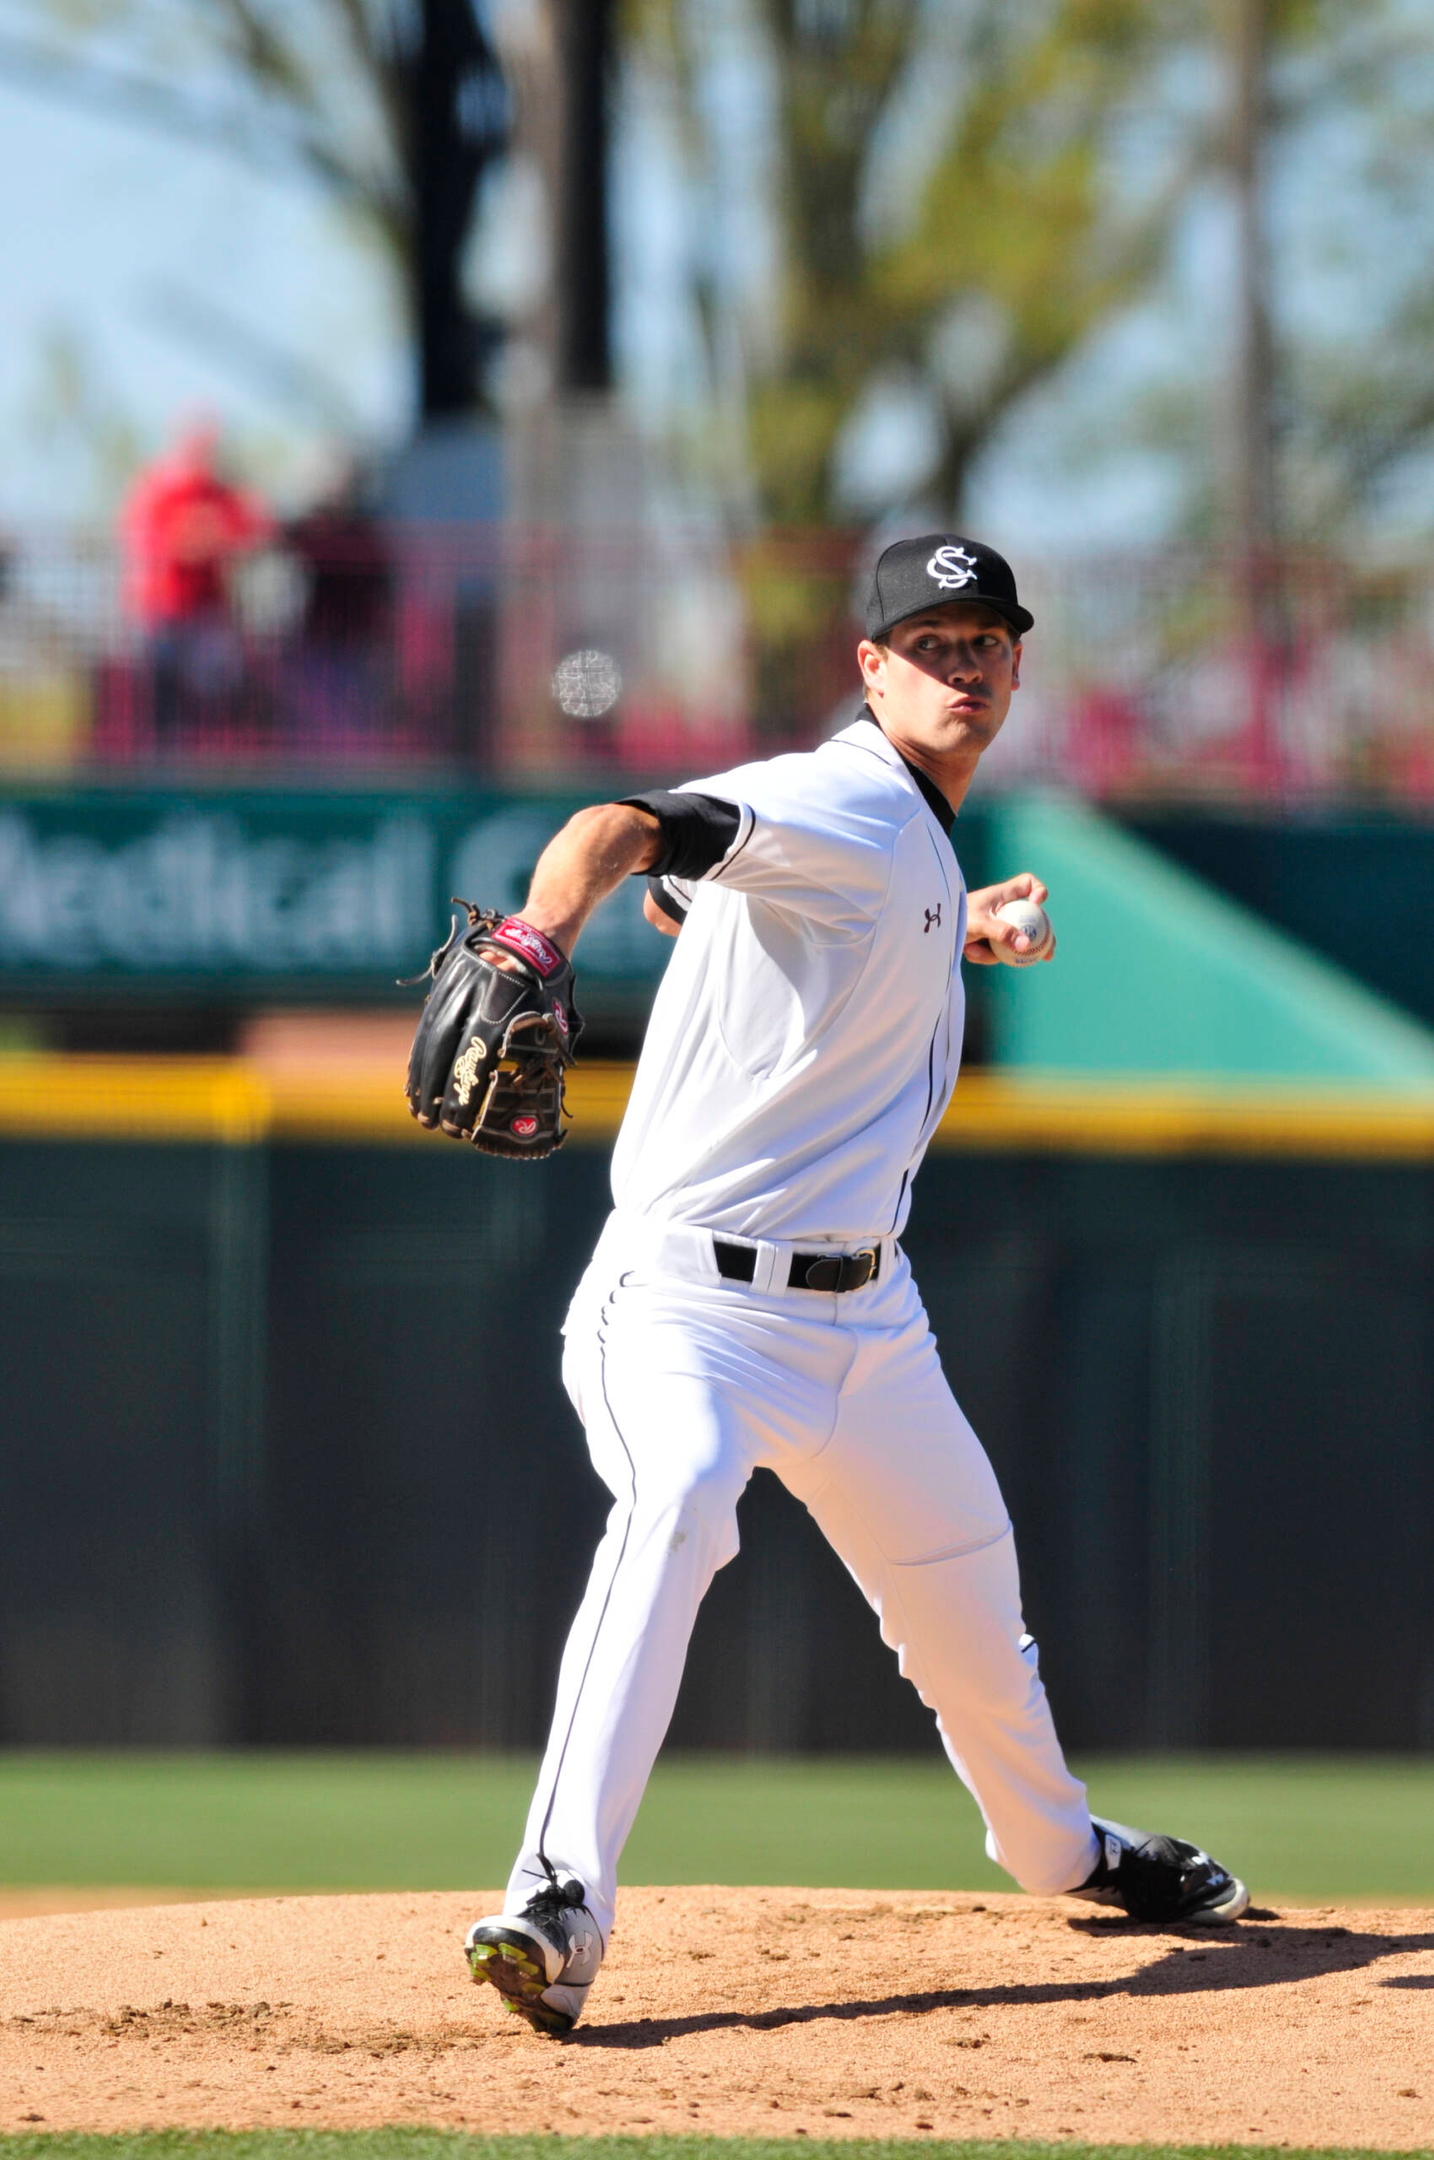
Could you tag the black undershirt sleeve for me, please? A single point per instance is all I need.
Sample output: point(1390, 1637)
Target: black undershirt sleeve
point(697, 831)
point(669, 903)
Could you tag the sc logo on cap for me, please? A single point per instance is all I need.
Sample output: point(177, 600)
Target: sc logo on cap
point(952, 567)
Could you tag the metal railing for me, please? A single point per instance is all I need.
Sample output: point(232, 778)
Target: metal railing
point(525, 653)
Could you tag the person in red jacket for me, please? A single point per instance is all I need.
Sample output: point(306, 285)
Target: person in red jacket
point(183, 527)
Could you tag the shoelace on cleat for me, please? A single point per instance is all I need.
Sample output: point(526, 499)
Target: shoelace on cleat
point(555, 1898)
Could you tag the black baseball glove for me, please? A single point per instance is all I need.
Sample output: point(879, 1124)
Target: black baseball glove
point(493, 1042)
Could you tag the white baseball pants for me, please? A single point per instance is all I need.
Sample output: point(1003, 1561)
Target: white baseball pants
point(685, 1384)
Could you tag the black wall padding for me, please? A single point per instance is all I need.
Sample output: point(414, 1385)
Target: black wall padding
point(286, 1457)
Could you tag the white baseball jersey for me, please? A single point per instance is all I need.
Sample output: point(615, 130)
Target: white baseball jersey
point(806, 1036)
point(802, 1048)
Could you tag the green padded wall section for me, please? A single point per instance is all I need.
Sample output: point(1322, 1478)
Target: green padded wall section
point(1159, 973)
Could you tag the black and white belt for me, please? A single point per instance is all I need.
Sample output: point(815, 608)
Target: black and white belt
point(808, 1271)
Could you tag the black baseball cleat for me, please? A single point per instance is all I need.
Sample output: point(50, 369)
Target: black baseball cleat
point(1160, 1878)
point(543, 1959)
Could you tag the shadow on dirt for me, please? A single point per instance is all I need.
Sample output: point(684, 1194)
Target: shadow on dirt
point(1198, 1962)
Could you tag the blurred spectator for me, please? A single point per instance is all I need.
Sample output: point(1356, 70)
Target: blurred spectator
point(339, 673)
point(183, 528)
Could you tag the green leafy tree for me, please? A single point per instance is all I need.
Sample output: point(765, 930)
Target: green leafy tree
point(1332, 388)
point(1021, 234)
point(1020, 229)
point(1357, 392)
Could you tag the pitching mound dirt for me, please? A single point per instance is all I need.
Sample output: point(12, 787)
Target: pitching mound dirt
point(806, 2012)
point(29, 1901)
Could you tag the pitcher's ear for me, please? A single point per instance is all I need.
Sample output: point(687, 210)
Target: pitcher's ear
point(872, 658)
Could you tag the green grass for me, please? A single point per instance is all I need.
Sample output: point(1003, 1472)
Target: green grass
point(457, 2145)
point(1298, 1828)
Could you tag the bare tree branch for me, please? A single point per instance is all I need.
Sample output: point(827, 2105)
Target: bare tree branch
point(287, 135)
point(135, 98)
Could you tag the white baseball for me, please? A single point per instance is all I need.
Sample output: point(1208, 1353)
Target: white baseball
point(1033, 922)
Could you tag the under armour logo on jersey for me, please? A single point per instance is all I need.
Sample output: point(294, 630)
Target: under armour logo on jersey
point(933, 920)
point(952, 568)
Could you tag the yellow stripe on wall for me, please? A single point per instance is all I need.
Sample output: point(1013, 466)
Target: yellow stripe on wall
point(228, 1101)
point(225, 1099)
point(1080, 1114)
point(132, 1098)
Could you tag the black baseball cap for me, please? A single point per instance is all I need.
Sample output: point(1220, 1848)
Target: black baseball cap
point(913, 575)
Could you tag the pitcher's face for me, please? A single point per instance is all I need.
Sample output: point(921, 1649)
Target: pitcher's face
point(943, 682)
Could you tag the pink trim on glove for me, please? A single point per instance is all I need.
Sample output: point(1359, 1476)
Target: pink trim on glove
point(520, 937)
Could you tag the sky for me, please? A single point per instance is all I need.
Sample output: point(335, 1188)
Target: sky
point(134, 251)
point(147, 278)
point(114, 234)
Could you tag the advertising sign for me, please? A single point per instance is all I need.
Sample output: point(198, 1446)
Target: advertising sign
point(275, 896)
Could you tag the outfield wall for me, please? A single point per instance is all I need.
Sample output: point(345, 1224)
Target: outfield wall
point(286, 1457)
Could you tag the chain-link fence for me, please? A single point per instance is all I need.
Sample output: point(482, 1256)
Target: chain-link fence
point(529, 652)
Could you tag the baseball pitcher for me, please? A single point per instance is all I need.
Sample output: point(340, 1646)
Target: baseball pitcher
point(749, 1302)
